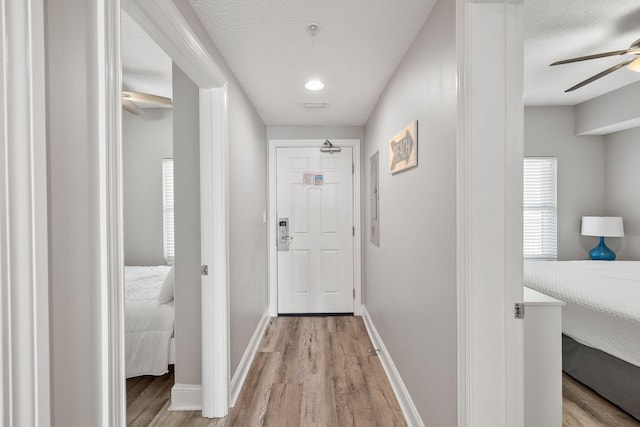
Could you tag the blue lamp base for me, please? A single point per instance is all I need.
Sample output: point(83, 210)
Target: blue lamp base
point(602, 252)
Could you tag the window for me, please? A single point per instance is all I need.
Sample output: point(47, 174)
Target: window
point(167, 210)
point(540, 208)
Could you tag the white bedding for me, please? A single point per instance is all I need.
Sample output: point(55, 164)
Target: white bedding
point(148, 325)
point(603, 302)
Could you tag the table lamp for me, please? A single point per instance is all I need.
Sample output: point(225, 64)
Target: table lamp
point(602, 226)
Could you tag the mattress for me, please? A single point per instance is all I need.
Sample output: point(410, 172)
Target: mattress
point(602, 302)
point(148, 325)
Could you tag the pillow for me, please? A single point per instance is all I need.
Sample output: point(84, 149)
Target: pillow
point(167, 290)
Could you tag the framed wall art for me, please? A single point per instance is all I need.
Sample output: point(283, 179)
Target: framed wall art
point(403, 149)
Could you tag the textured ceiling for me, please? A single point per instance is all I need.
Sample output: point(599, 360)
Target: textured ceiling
point(359, 45)
point(561, 29)
point(145, 67)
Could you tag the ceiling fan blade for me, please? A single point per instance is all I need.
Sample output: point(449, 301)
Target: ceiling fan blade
point(131, 107)
point(146, 97)
point(601, 74)
point(597, 55)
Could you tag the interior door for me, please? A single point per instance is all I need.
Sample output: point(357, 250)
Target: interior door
point(315, 230)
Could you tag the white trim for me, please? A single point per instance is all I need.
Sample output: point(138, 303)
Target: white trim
point(110, 151)
point(409, 410)
point(186, 397)
point(24, 282)
point(357, 247)
point(272, 253)
point(247, 358)
point(463, 226)
point(514, 155)
point(357, 221)
point(162, 20)
point(214, 196)
point(489, 147)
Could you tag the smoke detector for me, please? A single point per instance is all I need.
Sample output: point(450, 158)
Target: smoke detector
point(313, 29)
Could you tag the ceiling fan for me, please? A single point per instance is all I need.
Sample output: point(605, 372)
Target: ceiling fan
point(130, 98)
point(632, 63)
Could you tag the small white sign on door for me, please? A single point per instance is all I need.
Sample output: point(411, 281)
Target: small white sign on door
point(307, 180)
point(313, 180)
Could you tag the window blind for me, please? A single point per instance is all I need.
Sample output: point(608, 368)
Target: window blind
point(540, 213)
point(167, 210)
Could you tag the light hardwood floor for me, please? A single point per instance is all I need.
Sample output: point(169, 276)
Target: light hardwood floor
point(320, 371)
point(581, 406)
point(308, 371)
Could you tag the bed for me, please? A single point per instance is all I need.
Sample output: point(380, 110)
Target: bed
point(149, 320)
point(600, 323)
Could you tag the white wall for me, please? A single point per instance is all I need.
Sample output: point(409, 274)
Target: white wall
point(611, 112)
point(315, 132)
point(550, 131)
point(74, 210)
point(248, 269)
point(186, 171)
point(410, 280)
point(146, 140)
point(248, 199)
point(622, 156)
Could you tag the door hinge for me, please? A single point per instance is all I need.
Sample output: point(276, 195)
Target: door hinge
point(353, 231)
point(353, 168)
point(205, 270)
point(354, 293)
point(519, 310)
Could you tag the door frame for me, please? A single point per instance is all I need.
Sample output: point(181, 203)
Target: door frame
point(25, 394)
point(274, 144)
point(490, 147)
point(162, 20)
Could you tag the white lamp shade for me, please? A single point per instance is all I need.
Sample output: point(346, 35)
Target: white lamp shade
point(602, 226)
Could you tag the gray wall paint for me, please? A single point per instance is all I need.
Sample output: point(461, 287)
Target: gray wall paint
point(622, 195)
point(410, 280)
point(186, 171)
point(611, 112)
point(247, 201)
point(146, 140)
point(73, 212)
point(315, 132)
point(549, 132)
point(247, 234)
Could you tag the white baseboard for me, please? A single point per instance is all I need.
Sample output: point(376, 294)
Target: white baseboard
point(402, 394)
point(247, 358)
point(186, 397)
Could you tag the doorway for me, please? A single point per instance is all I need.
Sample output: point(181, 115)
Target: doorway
point(314, 207)
point(164, 23)
point(147, 205)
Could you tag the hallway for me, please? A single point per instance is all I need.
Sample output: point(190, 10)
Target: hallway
point(319, 371)
point(308, 371)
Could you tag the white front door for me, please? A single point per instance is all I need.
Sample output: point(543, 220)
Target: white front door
point(316, 252)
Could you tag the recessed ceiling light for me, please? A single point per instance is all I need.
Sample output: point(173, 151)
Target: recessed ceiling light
point(314, 85)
